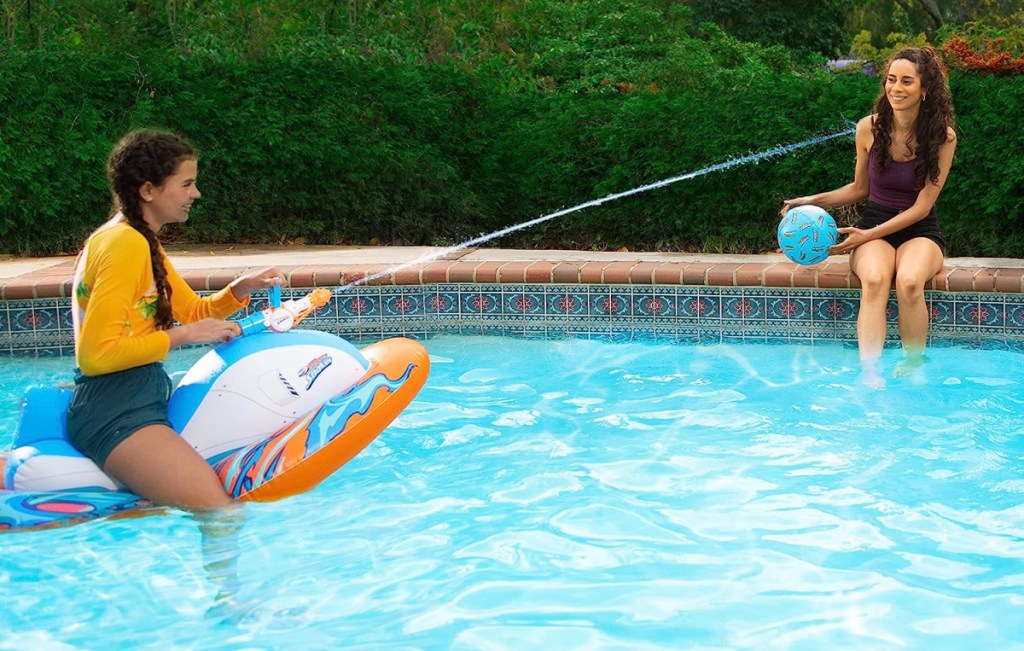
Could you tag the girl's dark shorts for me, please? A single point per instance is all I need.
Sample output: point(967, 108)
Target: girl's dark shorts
point(875, 214)
point(107, 409)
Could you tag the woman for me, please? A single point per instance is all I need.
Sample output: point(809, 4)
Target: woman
point(127, 298)
point(904, 152)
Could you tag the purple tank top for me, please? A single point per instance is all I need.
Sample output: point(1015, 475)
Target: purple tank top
point(895, 187)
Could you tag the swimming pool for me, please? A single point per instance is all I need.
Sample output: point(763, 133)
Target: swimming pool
point(584, 494)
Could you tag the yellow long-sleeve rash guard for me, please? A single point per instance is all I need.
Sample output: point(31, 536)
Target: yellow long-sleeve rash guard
point(115, 300)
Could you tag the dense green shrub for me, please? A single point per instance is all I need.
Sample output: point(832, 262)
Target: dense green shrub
point(981, 209)
point(329, 143)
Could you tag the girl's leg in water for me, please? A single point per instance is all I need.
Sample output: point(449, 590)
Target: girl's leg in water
point(158, 464)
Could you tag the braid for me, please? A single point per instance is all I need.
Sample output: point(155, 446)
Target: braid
point(933, 121)
point(141, 156)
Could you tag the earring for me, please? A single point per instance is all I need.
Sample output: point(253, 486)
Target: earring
point(924, 98)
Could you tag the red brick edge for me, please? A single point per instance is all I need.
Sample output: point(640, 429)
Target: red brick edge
point(55, 283)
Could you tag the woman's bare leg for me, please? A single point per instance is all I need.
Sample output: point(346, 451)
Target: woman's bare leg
point(874, 263)
point(917, 261)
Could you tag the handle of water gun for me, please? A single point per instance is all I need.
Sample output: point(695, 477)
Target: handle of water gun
point(283, 318)
point(274, 296)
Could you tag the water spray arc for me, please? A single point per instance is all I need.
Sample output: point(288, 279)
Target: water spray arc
point(742, 160)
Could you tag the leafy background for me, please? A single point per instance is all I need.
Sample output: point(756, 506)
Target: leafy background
point(419, 122)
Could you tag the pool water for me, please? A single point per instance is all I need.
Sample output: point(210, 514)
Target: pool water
point(593, 495)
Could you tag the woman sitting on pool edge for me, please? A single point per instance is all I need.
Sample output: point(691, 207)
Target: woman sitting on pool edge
point(127, 297)
point(904, 152)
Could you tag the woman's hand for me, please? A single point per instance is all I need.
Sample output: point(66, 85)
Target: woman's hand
point(248, 283)
point(854, 238)
point(205, 331)
point(789, 204)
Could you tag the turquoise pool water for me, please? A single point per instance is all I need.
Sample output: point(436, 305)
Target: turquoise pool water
point(583, 494)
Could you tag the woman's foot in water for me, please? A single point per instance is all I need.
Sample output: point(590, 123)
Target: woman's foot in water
point(909, 364)
point(869, 375)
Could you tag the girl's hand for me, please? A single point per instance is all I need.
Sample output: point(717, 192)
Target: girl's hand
point(205, 331)
point(854, 238)
point(248, 283)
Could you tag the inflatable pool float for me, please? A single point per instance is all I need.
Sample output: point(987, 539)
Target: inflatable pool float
point(275, 412)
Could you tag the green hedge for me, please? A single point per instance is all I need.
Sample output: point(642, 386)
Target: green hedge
point(339, 147)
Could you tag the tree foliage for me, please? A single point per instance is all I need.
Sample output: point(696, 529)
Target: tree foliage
point(881, 19)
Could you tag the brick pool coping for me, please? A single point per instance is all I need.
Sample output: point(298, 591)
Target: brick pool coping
point(313, 267)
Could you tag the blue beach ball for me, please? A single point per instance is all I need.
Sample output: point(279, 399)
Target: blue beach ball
point(806, 233)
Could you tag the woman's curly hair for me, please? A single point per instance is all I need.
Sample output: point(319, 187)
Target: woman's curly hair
point(933, 121)
point(140, 156)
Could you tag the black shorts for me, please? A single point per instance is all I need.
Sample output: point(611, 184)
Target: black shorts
point(875, 214)
point(107, 409)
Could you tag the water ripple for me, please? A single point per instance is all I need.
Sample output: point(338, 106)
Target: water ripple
point(603, 496)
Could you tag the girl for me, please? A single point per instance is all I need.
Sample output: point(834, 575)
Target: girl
point(127, 297)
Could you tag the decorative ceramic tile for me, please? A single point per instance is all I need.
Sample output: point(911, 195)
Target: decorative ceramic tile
point(990, 314)
point(993, 343)
point(358, 306)
point(394, 330)
point(611, 304)
point(33, 319)
point(745, 307)
point(968, 314)
point(566, 304)
point(402, 304)
point(665, 329)
point(652, 304)
point(708, 337)
point(940, 312)
point(788, 308)
point(709, 303)
point(615, 337)
point(703, 308)
point(477, 303)
point(1014, 314)
point(836, 309)
point(522, 303)
point(329, 312)
point(441, 302)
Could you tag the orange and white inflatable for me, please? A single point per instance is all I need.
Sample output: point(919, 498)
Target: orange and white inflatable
point(274, 412)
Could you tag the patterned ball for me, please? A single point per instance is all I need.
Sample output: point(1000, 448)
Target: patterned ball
point(806, 233)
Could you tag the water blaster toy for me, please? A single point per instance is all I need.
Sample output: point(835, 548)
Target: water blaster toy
point(280, 317)
point(275, 412)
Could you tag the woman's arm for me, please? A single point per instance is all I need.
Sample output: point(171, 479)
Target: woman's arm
point(852, 192)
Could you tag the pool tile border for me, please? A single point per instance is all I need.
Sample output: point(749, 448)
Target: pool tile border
point(680, 313)
point(685, 301)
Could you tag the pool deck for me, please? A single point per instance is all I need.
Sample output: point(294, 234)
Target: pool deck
point(211, 267)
